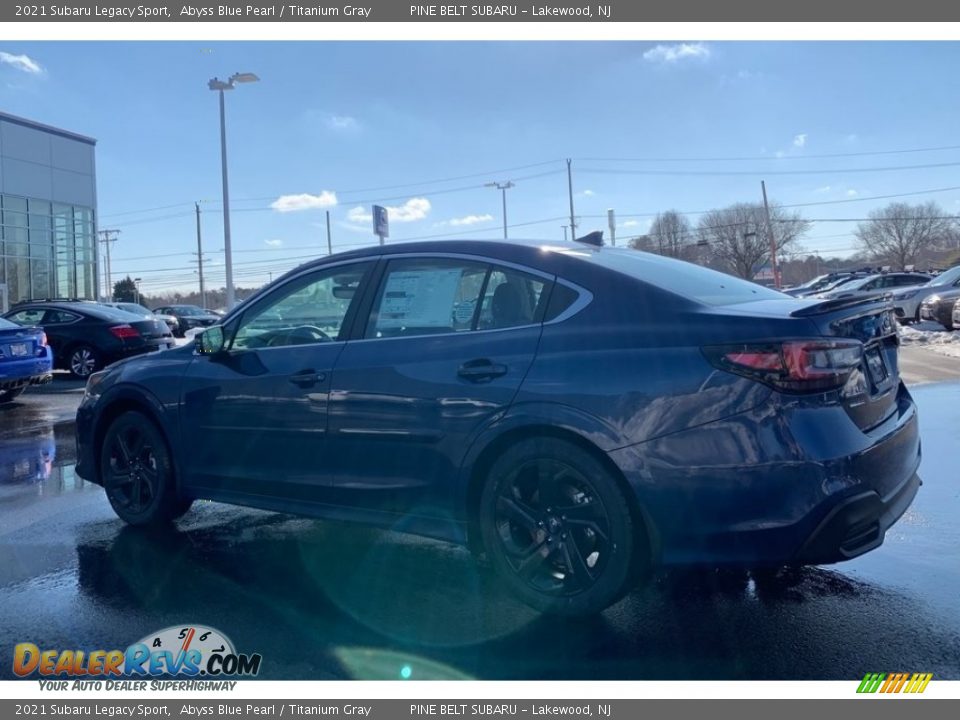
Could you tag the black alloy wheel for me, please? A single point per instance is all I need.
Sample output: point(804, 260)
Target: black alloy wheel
point(137, 472)
point(558, 528)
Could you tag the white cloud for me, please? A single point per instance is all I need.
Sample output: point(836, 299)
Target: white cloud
point(471, 219)
point(852, 193)
point(779, 153)
point(800, 140)
point(629, 223)
point(588, 193)
point(23, 63)
point(273, 243)
point(676, 53)
point(304, 201)
point(342, 122)
point(412, 210)
point(823, 190)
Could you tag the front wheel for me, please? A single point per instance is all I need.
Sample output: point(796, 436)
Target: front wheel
point(557, 527)
point(137, 472)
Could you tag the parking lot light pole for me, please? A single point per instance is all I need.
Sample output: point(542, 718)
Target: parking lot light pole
point(220, 86)
point(502, 187)
point(136, 284)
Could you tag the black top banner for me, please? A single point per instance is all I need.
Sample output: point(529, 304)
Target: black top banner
point(548, 11)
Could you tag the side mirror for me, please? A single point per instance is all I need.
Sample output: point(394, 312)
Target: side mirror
point(211, 340)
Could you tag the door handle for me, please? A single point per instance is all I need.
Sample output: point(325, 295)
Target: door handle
point(307, 378)
point(481, 370)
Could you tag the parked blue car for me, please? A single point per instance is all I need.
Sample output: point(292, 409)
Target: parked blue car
point(25, 359)
point(578, 414)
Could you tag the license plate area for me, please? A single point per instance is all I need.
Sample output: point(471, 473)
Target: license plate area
point(19, 350)
point(877, 367)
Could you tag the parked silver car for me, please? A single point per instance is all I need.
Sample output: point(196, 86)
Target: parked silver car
point(879, 282)
point(907, 302)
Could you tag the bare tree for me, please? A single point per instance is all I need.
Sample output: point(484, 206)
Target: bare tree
point(899, 233)
point(671, 233)
point(737, 235)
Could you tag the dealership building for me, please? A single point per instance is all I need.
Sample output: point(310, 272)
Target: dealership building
point(48, 200)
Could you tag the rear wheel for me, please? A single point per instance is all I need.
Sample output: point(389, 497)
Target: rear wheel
point(557, 528)
point(83, 361)
point(137, 472)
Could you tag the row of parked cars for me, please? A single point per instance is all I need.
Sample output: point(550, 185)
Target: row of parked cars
point(83, 336)
point(916, 295)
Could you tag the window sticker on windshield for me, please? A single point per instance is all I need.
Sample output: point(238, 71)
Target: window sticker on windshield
point(419, 298)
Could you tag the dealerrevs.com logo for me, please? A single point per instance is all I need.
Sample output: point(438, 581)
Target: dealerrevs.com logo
point(191, 651)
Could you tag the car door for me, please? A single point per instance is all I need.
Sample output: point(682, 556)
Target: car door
point(441, 352)
point(254, 416)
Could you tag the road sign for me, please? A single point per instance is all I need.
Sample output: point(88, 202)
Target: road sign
point(381, 224)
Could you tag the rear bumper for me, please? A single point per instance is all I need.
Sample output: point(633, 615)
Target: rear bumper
point(767, 489)
point(29, 371)
point(857, 525)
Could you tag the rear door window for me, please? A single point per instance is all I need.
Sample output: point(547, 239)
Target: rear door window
point(420, 296)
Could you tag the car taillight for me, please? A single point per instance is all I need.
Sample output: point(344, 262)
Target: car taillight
point(124, 331)
point(793, 365)
point(43, 340)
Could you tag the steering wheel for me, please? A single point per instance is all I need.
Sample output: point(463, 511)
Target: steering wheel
point(310, 333)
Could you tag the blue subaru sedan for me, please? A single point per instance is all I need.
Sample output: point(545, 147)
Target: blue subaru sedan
point(579, 415)
point(25, 359)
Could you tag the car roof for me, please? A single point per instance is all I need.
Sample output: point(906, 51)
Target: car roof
point(89, 308)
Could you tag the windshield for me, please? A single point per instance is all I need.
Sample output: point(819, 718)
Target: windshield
point(856, 283)
point(189, 310)
point(947, 278)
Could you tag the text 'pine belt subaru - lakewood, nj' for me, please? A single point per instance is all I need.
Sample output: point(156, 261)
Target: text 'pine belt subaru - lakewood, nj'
point(579, 414)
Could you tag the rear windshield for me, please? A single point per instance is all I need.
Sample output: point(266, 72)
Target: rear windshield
point(105, 312)
point(700, 284)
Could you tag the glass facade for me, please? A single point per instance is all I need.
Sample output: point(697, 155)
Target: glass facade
point(46, 249)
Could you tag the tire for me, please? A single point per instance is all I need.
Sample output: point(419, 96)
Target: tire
point(137, 472)
point(547, 511)
point(11, 395)
point(83, 361)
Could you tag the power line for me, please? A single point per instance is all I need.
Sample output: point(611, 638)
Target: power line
point(757, 173)
point(773, 157)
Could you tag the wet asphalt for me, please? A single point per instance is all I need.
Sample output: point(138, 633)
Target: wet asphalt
point(322, 600)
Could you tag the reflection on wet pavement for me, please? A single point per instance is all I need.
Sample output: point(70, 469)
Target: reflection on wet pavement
point(326, 600)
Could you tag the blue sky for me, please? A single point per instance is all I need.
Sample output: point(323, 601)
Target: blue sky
point(350, 118)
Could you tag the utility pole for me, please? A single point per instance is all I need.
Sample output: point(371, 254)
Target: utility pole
point(203, 293)
point(329, 238)
point(564, 232)
point(573, 223)
point(503, 187)
point(773, 244)
point(612, 224)
point(106, 240)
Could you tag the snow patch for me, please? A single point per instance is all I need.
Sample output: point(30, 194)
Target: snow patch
point(933, 337)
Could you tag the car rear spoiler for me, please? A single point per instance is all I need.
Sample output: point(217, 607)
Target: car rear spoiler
point(828, 306)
